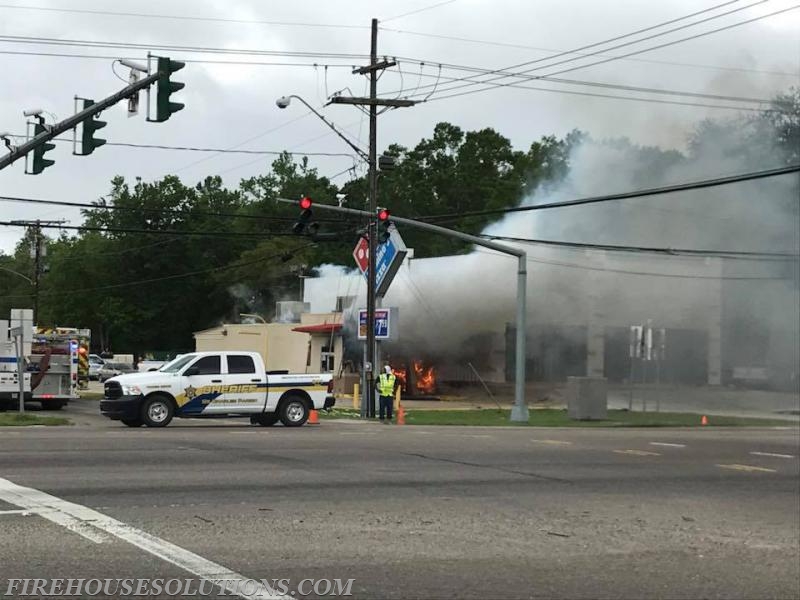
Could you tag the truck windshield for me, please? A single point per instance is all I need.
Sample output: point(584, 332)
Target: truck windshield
point(177, 364)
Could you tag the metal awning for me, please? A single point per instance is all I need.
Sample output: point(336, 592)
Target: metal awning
point(326, 328)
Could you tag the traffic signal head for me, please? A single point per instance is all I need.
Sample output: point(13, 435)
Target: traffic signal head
point(165, 88)
point(304, 222)
point(90, 126)
point(39, 162)
point(384, 223)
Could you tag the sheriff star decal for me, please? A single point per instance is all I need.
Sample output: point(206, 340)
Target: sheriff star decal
point(190, 392)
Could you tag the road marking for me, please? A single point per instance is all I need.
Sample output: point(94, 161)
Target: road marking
point(736, 467)
point(637, 452)
point(21, 511)
point(772, 454)
point(668, 445)
point(69, 514)
point(480, 436)
point(553, 442)
point(357, 433)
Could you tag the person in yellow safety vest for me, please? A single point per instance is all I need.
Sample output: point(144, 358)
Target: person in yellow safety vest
point(386, 384)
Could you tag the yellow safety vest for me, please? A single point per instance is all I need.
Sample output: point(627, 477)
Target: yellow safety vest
point(386, 384)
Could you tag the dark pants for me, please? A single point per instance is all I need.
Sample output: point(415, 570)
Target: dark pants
point(387, 404)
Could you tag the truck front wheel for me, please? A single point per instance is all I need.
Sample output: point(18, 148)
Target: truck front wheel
point(157, 411)
point(294, 411)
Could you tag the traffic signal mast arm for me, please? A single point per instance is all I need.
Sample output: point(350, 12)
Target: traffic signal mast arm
point(519, 413)
point(75, 120)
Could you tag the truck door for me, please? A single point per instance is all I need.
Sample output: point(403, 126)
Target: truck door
point(203, 386)
point(246, 388)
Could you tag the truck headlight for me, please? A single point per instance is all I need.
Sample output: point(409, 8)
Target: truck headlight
point(131, 390)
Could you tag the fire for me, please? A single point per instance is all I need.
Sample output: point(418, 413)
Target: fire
point(418, 380)
point(402, 375)
point(425, 378)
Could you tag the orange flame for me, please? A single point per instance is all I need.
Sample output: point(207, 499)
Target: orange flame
point(426, 379)
point(402, 375)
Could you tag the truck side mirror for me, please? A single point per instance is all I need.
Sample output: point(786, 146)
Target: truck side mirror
point(191, 371)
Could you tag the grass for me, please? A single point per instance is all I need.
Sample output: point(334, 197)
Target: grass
point(559, 418)
point(14, 419)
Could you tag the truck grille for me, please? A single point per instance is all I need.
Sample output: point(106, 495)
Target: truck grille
point(113, 389)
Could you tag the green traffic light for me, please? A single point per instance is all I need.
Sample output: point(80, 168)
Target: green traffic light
point(164, 106)
point(90, 126)
point(40, 163)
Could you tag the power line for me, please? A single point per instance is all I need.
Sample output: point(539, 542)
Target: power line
point(419, 10)
point(643, 273)
point(616, 96)
point(157, 211)
point(611, 40)
point(247, 141)
point(183, 17)
point(221, 234)
point(609, 85)
point(609, 59)
point(457, 79)
point(16, 39)
point(563, 52)
point(214, 150)
point(671, 252)
point(186, 60)
point(83, 255)
point(167, 277)
point(681, 187)
point(649, 49)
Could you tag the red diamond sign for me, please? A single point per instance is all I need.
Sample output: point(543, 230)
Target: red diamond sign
point(361, 254)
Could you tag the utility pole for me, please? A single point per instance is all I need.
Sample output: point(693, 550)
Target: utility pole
point(368, 402)
point(38, 252)
point(37, 266)
point(519, 412)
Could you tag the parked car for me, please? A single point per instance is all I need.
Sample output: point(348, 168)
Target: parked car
point(145, 366)
point(112, 369)
point(95, 362)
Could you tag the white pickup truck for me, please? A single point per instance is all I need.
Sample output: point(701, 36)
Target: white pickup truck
point(216, 384)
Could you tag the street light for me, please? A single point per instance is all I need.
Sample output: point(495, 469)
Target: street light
point(25, 277)
point(284, 102)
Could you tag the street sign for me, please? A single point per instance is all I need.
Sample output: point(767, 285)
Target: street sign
point(361, 255)
point(388, 258)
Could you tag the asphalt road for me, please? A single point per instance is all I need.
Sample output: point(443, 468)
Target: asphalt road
point(422, 512)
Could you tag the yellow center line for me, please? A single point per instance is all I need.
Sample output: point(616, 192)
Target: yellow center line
point(637, 452)
point(736, 467)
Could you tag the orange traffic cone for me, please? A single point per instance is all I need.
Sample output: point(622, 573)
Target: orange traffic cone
point(313, 418)
point(401, 415)
point(704, 420)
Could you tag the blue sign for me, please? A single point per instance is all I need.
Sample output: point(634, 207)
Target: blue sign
point(388, 257)
point(382, 324)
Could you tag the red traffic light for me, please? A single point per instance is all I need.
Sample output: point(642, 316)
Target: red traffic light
point(305, 203)
point(383, 214)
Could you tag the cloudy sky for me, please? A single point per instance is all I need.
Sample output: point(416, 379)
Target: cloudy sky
point(309, 48)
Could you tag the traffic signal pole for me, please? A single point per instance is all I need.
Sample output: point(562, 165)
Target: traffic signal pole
point(368, 402)
point(519, 412)
point(51, 131)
